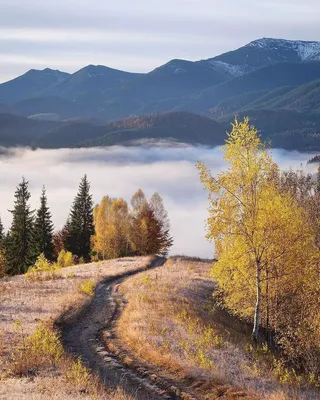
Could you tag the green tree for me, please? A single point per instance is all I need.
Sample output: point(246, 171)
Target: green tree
point(21, 249)
point(43, 228)
point(81, 226)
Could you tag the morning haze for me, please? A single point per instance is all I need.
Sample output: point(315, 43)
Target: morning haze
point(119, 172)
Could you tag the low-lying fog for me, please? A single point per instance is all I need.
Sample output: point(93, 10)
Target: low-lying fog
point(119, 172)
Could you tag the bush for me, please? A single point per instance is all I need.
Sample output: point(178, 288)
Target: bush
point(65, 259)
point(42, 349)
point(43, 270)
point(87, 287)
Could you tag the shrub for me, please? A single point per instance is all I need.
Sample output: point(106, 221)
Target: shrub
point(87, 287)
point(42, 270)
point(42, 348)
point(78, 375)
point(65, 259)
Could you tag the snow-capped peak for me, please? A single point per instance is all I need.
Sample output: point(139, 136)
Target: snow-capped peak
point(305, 50)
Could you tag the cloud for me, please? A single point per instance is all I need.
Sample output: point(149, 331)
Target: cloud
point(120, 171)
point(141, 35)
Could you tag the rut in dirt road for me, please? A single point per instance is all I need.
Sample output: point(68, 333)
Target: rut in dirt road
point(84, 338)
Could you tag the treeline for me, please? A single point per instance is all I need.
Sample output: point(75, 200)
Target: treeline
point(110, 229)
point(266, 227)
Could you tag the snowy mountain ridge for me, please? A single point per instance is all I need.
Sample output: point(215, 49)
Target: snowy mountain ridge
point(306, 50)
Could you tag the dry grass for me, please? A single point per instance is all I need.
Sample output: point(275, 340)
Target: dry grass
point(27, 370)
point(172, 320)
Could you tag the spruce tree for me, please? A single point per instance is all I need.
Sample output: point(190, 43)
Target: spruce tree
point(81, 226)
point(21, 249)
point(43, 228)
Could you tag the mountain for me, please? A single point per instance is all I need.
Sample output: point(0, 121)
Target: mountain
point(93, 78)
point(30, 84)
point(263, 79)
point(267, 78)
point(269, 51)
point(177, 78)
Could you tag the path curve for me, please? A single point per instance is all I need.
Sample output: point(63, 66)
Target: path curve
point(83, 337)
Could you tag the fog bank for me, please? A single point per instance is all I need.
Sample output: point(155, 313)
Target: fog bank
point(119, 172)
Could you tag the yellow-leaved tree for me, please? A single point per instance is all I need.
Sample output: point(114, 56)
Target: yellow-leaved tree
point(112, 228)
point(264, 244)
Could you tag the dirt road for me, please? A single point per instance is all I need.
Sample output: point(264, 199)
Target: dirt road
point(84, 337)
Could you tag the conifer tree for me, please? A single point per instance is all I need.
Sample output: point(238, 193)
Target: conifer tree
point(21, 249)
point(81, 226)
point(43, 228)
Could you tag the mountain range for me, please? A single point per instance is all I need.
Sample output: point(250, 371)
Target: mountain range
point(274, 81)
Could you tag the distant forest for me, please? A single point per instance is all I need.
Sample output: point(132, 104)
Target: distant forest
point(110, 229)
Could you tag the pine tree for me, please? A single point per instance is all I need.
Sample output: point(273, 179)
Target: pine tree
point(43, 228)
point(21, 249)
point(81, 222)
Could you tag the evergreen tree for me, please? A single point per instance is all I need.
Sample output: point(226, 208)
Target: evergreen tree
point(81, 226)
point(43, 228)
point(21, 249)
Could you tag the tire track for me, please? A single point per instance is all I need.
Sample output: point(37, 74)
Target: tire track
point(84, 337)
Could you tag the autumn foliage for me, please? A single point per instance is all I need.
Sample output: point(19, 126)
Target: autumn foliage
point(265, 229)
point(140, 230)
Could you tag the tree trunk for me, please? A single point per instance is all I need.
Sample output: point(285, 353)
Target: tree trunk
point(257, 313)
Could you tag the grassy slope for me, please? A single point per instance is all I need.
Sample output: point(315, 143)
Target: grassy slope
point(32, 302)
point(172, 320)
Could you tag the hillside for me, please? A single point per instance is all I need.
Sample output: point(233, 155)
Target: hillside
point(267, 78)
point(288, 129)
point(285, 129)
point(174, 126)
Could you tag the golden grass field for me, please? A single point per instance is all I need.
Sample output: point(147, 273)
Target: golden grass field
point(24, 304)
point(172, 320)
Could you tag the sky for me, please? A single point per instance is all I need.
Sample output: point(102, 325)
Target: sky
point(119, 172)
point(140, 35)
